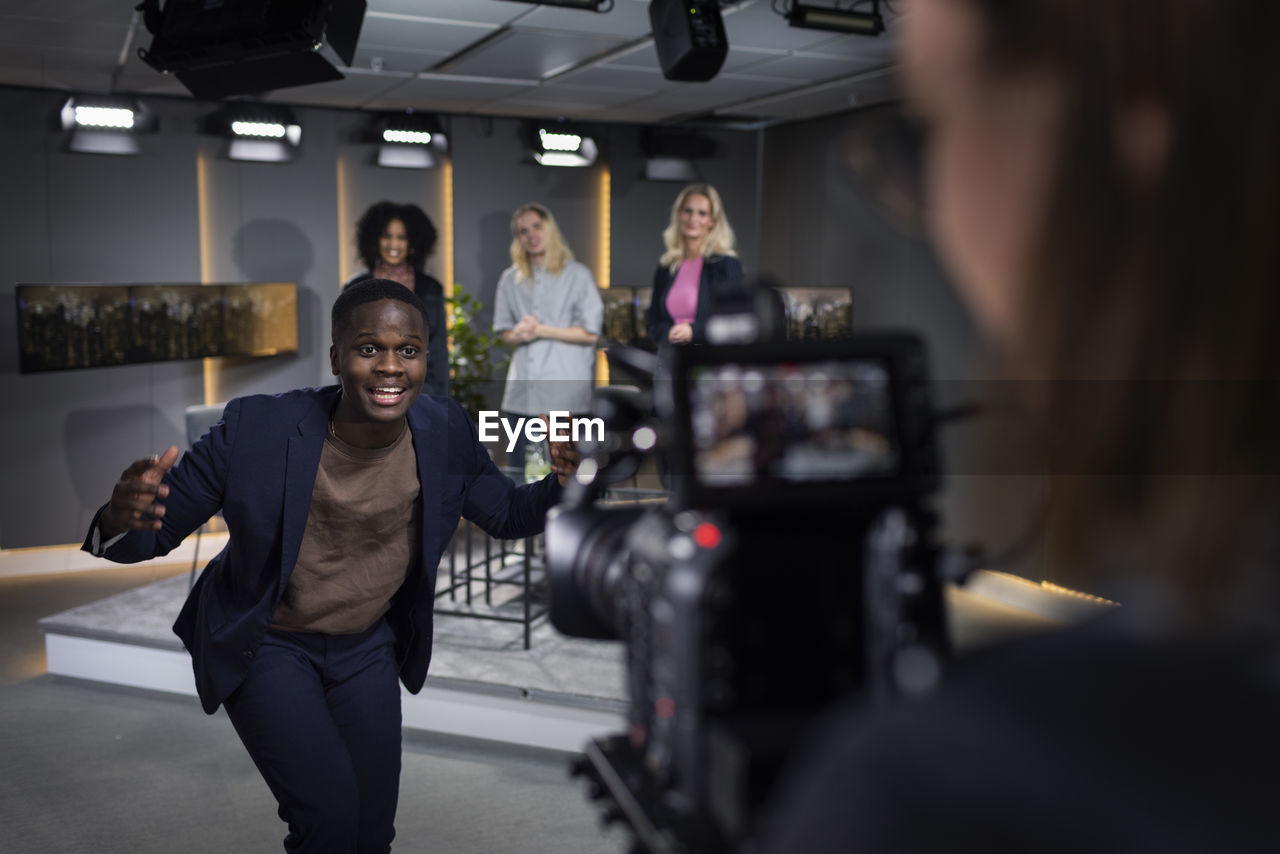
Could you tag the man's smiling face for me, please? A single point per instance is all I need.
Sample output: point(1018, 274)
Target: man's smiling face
point(380, 358)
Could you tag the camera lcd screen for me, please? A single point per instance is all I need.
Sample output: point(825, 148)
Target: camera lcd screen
point(791, 423)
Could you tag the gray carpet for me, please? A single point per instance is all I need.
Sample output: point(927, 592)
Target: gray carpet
point(96, 768)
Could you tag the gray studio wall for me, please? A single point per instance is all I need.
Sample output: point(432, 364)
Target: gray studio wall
point(91, 218)
point(822, 226)
point(65, 436)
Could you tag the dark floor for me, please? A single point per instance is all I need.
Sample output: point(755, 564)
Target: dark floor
point(87, 767)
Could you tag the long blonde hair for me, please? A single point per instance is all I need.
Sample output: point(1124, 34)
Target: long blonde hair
point(720, 239)
point(558, 252)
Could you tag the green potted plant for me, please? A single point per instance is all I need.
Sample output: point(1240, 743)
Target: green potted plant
point(474, 356)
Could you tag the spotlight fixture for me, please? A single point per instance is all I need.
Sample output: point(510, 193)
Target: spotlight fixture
point(407, 137)
point(240, 47)
point(558, 145)
point(585, 5)
point(689, 38)
point(104, 125)
point(811, 17)
point(258, 132)
point(408, 140)
point(670, 153)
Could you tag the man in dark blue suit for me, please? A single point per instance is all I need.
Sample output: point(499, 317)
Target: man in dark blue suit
point(339, 503)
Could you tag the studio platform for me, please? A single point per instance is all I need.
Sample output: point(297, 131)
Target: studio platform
point(483, 683)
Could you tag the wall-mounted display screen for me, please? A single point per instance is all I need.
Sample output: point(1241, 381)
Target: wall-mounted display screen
point(811, 313)
point(64, 327)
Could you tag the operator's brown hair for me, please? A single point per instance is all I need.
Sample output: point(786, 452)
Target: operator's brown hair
point(1149, 317)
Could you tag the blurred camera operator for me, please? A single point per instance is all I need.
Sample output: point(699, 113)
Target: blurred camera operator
point(1104, 185)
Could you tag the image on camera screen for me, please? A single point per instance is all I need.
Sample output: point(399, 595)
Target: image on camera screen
point(798, 422)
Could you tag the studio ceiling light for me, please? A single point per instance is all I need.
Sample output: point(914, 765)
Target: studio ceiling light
point(104, 125)
point(259, 132)
point(670, 153)
point(559, 141)
point(407, 137)
point(563, 147)
point(104, 117)
point(808, 16)
point(272, 130)
point(408, 140)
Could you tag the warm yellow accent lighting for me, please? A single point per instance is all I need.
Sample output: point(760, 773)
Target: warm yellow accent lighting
point(1028, 584)
point(445, 242)
point(344, 217)
point(602, 369)
point(446, 236)
point(204, 202)
point(605, 259)
point(1076, 594)
point(605, 226)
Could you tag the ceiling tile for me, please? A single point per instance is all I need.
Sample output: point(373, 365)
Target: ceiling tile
point(760, 26)
point(627, 20)
point(593, 98)
point(83, 11)
point(708, 97)
point(647, 79)
point(31, 33)
point(396, 59)
point(633, 114)
point(21, 75)
point(739, 58)
point(431, 93)
point(495, 12)
point(411, 35)
point(820, 100)
point(870, 50)
point(49, 60)
point(805, 67)
point(355, 90)
point(532, 55)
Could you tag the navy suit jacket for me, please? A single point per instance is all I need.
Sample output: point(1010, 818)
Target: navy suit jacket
point(718, 271)
point(258, 466)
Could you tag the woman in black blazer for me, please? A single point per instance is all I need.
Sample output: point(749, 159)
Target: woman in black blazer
point(700, 262)
point(394, 242)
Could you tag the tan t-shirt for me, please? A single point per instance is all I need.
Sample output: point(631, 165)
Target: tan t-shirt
point(363, 533)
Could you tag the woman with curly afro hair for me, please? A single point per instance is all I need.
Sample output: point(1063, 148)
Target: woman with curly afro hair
point(394, 242)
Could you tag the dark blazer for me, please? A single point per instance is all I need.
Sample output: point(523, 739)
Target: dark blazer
point(431, 292)
point(258, 465)
point(717, 272)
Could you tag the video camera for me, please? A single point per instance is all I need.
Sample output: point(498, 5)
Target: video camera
point(792, 563)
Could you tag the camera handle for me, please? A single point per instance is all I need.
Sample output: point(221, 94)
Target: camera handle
point(906, 638)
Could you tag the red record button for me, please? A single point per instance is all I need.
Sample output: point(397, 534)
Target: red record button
point(706, 535)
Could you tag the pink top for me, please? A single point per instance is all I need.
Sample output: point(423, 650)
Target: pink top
point(682, 299)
